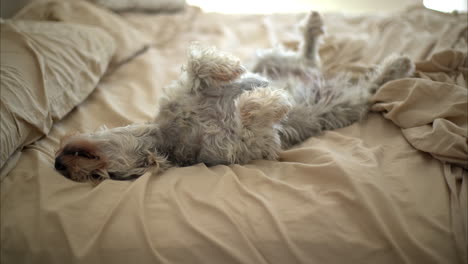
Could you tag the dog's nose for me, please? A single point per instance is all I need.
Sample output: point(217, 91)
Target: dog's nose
point(59, 165)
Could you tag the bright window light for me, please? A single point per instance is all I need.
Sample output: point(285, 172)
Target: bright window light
point(253, 6)
point(446, 5)
point(342, 6)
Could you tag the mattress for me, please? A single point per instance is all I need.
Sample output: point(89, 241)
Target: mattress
point(389, 189)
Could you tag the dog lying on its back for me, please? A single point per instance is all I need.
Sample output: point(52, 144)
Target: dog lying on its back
point(218, 113)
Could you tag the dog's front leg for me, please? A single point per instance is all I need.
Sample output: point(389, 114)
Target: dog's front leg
point(209, 70)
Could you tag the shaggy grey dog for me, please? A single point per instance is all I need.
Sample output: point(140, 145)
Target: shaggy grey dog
point(219, 113)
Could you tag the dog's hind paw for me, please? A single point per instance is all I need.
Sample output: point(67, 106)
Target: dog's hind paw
point(393, 67)
point(314, 25)
point(397, 67)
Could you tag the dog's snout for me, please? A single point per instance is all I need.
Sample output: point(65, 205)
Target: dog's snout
point(59, 164)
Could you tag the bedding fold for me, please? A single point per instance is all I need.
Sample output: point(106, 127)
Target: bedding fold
point(432, 110)
point(432, 113)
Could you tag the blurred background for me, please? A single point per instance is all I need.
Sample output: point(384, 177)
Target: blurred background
point(9, 7)
point(343, 6)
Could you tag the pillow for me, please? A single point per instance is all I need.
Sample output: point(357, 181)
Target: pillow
point(47, 68)
point(143, 5)
point(129, 41)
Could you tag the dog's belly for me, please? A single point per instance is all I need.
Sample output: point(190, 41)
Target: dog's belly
point(208, 129)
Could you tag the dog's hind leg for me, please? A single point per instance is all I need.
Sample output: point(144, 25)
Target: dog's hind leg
point(338, 104)
point(279, 62)
point(312, 32)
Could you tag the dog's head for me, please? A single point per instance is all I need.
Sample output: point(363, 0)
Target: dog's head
point(121, 154)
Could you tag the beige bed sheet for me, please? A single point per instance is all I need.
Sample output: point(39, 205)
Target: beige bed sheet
point(361, 194)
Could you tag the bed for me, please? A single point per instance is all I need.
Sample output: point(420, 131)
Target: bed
point(390, 189)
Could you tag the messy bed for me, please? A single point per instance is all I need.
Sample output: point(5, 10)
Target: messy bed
point(392, 188)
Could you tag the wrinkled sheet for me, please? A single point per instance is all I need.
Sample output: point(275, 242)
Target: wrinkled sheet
point(432, 111)
point(360, 194)
point(432, 114)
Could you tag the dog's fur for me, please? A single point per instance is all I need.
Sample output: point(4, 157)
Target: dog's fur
point(219, 113)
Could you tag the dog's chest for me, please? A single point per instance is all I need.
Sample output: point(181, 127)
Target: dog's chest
point(199, 131)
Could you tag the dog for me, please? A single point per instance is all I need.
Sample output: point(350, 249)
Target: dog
point(217, 112)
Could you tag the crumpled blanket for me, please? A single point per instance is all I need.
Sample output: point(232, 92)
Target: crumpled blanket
point(432, 113)
point(432, 110)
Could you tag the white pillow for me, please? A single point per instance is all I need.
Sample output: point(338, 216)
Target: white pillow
point(129, 41)
point(47, 68)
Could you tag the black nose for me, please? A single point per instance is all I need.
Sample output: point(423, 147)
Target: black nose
point(59, 165)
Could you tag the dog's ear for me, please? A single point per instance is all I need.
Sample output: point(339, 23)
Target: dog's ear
point(209, 68)
point(65, 139)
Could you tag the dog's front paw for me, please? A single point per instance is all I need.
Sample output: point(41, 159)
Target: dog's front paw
point(209, 67)
point(262, 107)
